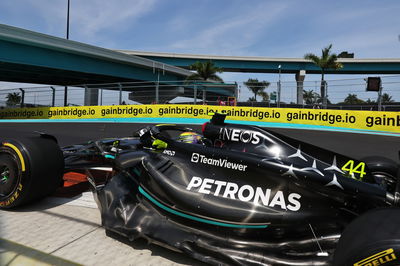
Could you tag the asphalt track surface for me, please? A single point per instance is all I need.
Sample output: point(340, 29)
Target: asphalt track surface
point(354, 145)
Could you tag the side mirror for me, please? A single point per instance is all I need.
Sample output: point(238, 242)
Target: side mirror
point(218, 119)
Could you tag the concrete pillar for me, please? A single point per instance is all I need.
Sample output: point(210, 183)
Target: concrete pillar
point(53, 96)
point(120, 93)
point(91, 96)
point(236, 91)
point(65, 96)
point(300, 85)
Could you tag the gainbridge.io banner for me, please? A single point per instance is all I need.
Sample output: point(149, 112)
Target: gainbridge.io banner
point(363, 120)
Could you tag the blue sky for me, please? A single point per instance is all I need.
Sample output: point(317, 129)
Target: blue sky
point(286, 28)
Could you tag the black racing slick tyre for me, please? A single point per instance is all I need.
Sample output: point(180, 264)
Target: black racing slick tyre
point(371, 239)
point(383, 170)
point(30, 168)
point(381, 164)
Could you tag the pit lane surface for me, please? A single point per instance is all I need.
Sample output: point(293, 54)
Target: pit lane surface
point(68, 230)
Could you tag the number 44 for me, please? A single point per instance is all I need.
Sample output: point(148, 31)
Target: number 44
point(359, 169)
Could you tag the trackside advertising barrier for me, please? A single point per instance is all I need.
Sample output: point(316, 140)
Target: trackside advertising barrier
point(361, 120)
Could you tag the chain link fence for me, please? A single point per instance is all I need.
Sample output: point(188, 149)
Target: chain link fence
point(342, 94)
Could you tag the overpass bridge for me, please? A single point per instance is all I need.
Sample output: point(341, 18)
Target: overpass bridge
point(297, 66)
point(270, 65)
point(31, 57)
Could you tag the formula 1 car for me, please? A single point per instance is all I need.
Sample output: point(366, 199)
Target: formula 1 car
point(239, 195)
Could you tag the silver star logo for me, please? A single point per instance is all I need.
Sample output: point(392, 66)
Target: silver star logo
point(290, 172)
point(334, 167)
point(298, 154)
point(353, 176)
point(313, 168)
point(334, 182)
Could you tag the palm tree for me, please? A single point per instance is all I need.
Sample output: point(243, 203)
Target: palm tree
point(310, 97)
point(386, 98)
point(256, 86)
point(369, 101)
point(264, 95)
point(13, 99)
point(327, 60)
point(205, 71)
point(353, 99)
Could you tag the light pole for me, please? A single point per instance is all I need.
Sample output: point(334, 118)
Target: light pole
point(69, 3)
point(380, 98)
point(279, 88)
point(66, 88)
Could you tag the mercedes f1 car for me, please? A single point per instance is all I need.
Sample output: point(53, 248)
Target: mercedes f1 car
point(237, 195)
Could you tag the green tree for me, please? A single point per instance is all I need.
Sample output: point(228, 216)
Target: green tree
point(256, 86)
point(264, 95)
point(327, 61)
point(369, 101)
point(353, 99)
point(386, 98)
point(311, 97)
point(251, 99)
point(272, 96)
point(205, 71)
point(13, 99)
point(346, 54)
point(319, 99)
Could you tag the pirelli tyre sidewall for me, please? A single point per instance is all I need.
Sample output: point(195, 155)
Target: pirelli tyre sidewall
point(12, 177)
point(35, 168)
point(371, 239)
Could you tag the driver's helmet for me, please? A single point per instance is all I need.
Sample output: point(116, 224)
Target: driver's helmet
point(190, 137)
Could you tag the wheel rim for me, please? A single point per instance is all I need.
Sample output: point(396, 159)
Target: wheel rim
point(4, 174)
point(8, 180)
point(386, 180)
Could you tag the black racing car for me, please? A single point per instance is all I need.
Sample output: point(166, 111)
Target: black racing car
point(238, 195)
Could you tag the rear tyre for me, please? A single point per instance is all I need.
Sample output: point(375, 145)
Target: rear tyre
point(383, 171)
point(371, 239)
point(30, 168)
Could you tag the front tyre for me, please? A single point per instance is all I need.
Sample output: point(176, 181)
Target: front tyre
point(30, 168)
